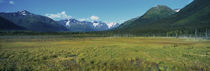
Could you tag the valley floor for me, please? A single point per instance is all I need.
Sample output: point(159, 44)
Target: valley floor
point(103, 54)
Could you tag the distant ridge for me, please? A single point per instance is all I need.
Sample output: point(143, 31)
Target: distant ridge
point(33, 22)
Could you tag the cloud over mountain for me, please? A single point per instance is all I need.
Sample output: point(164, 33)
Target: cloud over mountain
point(11, 2)
point(94, 18)
point(58, 16)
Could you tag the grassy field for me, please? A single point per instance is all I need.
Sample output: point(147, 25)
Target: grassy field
point(103, 54)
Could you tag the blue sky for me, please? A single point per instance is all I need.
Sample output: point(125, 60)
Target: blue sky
point(102, 10)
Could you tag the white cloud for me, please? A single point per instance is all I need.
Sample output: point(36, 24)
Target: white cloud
point(94, 18)
point(91, 18)
point(82, 19)
point(58, 16)
point(11, 2)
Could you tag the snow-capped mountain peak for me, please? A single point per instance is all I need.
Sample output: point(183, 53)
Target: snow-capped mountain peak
point(68, 22)
point(177, 10)
point(75, 25)
point(95, 24)
point(112, 25)
point(24, 12)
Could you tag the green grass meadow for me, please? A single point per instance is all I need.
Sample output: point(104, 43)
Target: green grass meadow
point(104, 54)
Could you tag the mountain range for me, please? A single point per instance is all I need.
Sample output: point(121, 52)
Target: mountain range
point(38, 23)
point(33, 22)
point(157, 20)
point(74, 25)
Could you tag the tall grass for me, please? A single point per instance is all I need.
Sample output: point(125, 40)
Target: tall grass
point(103, 54)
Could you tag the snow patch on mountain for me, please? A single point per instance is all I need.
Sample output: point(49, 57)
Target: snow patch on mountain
point(24, 12)
point(177, 10)
point(68, 23)
point(111, 24)
point(75, 25)
point(95, 24)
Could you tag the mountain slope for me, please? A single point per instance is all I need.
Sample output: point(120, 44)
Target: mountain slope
point(153, 14)
point(6, 25)
point(33, 22)
point(194, 16)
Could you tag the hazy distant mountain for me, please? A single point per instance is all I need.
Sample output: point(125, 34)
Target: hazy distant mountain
point(100, 26)
point(74, 25)
point(6, 25)
point(33, 22)
point(153, 14)
point(38, 23)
